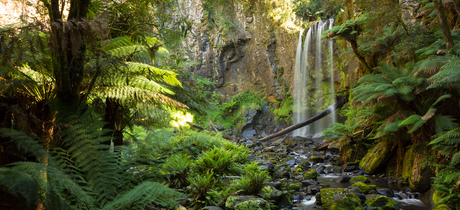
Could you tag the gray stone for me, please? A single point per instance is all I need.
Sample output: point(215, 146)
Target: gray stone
point(211, 208)
point(343, 179)
point(249, 133)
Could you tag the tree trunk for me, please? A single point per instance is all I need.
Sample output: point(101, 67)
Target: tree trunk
point(444, 24)
point(362, 61)
point(113, 117)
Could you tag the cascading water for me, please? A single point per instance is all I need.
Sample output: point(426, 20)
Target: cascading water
point(313, 79)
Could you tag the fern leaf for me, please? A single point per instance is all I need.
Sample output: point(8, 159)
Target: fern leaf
point(145, 193)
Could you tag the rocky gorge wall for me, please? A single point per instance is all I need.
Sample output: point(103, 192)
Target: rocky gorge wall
point(240, 48)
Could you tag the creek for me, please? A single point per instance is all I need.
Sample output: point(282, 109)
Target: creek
point(291, 153)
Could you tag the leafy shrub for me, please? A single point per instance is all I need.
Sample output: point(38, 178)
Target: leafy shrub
point(252, 180)
point(176, 169)
point(200, 185)
point(218, 160)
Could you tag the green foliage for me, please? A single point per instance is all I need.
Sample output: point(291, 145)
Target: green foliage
point(176, 169)
point(85, 175)
point(231, 114)
point(447, 178)
point(317, 9)
point(218, 160)
point(200, 185)
point(253, 179)
point(284, 112)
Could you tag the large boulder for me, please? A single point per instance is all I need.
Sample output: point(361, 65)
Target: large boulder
point(415, 167)
point(376, 158)
point(339, 198)
point(383, 202)
point(246, 203)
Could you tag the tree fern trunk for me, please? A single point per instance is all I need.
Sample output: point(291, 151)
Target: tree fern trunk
point(113, 117)
point(362, 61)
point(444, 24)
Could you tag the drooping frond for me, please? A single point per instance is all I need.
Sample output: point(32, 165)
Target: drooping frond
point(145, 193)
point(448, 74)
point(159, 75)
point(85, 140)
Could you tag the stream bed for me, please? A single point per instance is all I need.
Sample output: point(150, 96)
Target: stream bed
point(287, 158)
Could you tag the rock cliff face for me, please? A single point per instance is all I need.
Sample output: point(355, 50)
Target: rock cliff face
point(246, 50)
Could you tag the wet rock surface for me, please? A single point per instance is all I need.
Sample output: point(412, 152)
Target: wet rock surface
point(301, 168)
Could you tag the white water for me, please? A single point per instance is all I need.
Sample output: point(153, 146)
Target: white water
point(310, 83)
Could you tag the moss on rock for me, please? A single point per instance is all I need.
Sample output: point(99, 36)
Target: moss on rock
point(415, 167)
point(361, 179)
point(246, 203)
point(442, 207)
point(383, 202)
point(364, 188)
point(377, 157)
point(311, 174)
point(339, 198)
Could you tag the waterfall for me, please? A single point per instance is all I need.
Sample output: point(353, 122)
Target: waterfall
point(313, 79)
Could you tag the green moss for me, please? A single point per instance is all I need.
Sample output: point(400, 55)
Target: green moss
point(316, 158)
point(299, 169)
point(339, 198)
point(246, 203)
point(253, 205)
point(408, 163)
point(292, 186)
point(436, 197)
point(311, 174)
point(382, 201)
point(442, 207)
point(364, 188)
point(361, 179)
point(376, 157)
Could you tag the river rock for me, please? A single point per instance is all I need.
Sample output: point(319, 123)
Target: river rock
point(308, 183)
point(311, 174)
point(339, 198)
point(249, 133)
point(386, 192)
point(383, 202)
point(361, 179)
point(270, 193)
point(246, 202)
point(377, 157)
point(364, 188)
point(349, 168)
point(343, 179)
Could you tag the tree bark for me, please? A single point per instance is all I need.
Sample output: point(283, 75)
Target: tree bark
point(362, 61)
point(444, 24)
point(339, 104)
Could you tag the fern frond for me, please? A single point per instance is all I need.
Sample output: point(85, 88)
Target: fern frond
point(165, 76)
point(143, 194)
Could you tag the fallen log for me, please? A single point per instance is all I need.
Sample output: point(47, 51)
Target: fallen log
point(342, 100)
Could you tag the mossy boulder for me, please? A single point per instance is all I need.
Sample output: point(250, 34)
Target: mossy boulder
point(442, 207)
point(376, 158)
point(246, 203)
point(383, 202)
point(317, 159)
point(415, 167)
point(270, 193)
point(339, 198)
point(291, 186)
point(361, 179)
point(364, 188)
point(311, 174)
